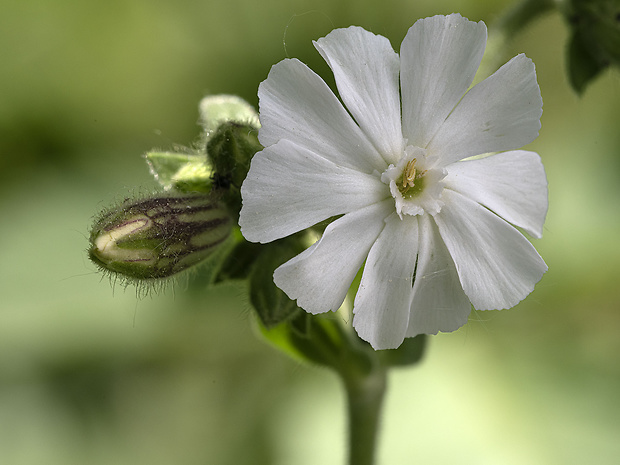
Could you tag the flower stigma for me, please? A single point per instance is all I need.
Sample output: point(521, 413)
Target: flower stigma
point(410, 176)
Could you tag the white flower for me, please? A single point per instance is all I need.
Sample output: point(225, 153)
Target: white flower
point(435, 233)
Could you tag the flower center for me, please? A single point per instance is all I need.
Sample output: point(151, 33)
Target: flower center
point(414, 183)
point(411, 182)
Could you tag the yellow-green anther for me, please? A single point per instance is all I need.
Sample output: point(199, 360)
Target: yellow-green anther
point(158, 237)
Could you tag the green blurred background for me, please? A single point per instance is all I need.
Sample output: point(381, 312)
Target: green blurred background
point(90, 374)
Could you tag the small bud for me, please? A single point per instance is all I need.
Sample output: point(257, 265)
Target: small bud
point(158, 237)
point(231, 149)
point(216, 110)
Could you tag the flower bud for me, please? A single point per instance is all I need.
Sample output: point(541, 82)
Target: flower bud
point(216, 110)
point(158, 237)
point(231, 149)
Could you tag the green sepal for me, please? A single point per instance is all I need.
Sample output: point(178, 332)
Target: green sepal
point(301, 325)
point(206, 274)
point(410, 352)
point(180, 171)
point(271, 303)
point(308, 338)
point(239, 262)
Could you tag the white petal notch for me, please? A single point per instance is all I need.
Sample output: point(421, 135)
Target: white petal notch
point(512, 184)
point(497, 265)
point(434, 233)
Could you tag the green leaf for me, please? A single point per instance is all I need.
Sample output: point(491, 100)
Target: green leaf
point(308, 338)
point(410, 352)
point(595, 41)
point(270, 302)
point(181, 171)
point(597, 22)
point(582, 66)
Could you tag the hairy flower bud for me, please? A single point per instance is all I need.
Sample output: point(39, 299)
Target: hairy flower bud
point(231, 148)
point(158, 237)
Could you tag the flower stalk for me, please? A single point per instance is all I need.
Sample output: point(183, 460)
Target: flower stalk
point(365, 381)
point(364, 406)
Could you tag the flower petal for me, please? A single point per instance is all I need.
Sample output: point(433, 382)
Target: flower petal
point(366, 69)
point(320, 276)
point(383, 299)
point(496, 264)
point(439, 302)
point(296, 104)
point(512, 184)
point(500, 113)
point(439, 58)
point(290, 188)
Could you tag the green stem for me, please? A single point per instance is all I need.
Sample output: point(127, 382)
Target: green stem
point(364, 402)
point(365, 379)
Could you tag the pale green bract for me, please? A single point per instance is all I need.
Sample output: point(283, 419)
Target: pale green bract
point(192, 171)
point(435, 233)
point(218, 109)
point(176, 170)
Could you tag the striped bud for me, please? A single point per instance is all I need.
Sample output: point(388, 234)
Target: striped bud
point(158, 237)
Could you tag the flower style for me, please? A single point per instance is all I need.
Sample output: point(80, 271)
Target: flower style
point(434, 229)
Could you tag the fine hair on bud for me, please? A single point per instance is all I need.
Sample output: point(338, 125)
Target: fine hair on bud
point(148, 240)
